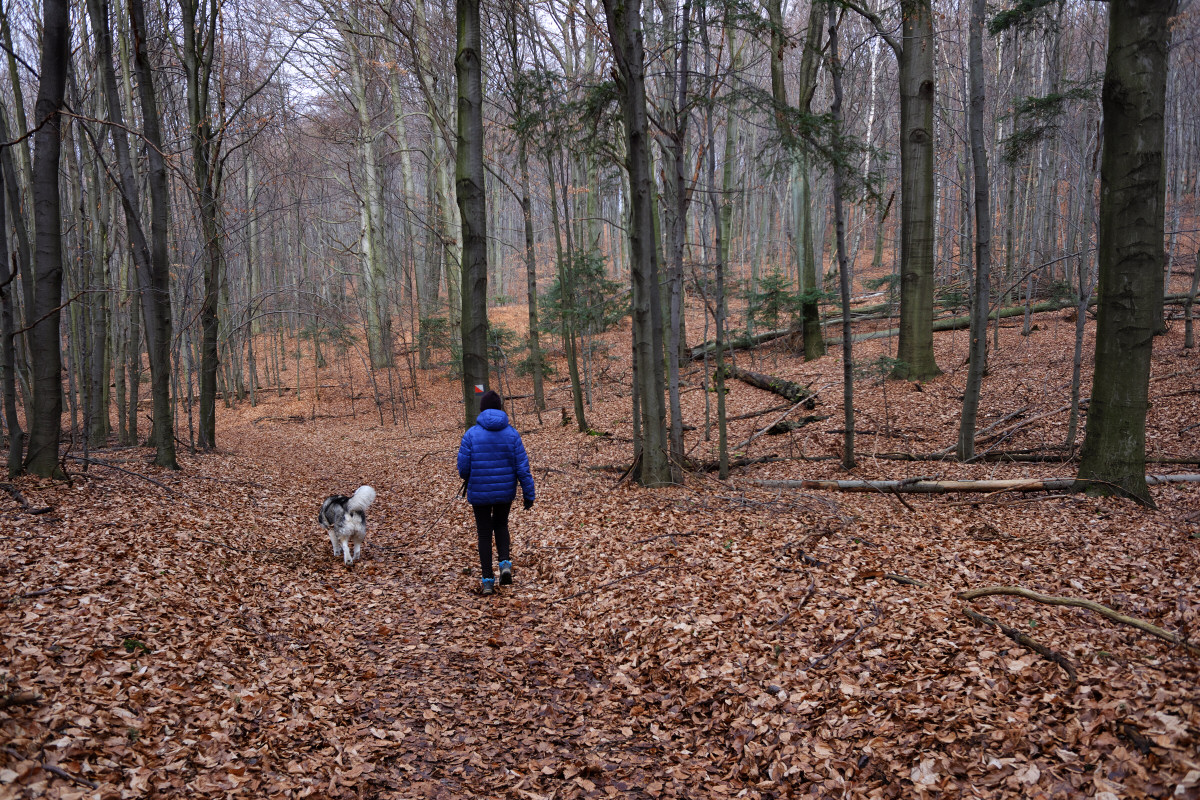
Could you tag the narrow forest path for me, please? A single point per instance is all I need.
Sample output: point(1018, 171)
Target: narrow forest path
point(191, 634)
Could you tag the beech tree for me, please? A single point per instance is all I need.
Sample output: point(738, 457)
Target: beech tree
point(469, 189)
point(914, 50)
point(624, 21)
point(1131, 244)
point(45, 350)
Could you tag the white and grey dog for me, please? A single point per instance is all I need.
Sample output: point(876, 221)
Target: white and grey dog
point(346, 520)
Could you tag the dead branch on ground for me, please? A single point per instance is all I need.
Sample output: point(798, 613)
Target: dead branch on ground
point(21, 501)
point(1104, 611)
point(1024, 640)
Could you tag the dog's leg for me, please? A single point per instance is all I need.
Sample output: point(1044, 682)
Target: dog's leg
point(333, 540)
point(349, 559)
point(357, 550)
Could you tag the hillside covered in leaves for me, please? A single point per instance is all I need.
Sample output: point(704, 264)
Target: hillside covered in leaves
point(172, 634)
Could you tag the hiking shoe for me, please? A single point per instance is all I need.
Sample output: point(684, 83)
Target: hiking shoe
point(506, 573)
point(488, 586)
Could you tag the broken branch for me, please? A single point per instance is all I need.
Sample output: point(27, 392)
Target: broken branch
point(1023, 640)
point(1104, 611)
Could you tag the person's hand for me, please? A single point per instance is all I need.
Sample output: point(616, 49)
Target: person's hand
point(528, 503)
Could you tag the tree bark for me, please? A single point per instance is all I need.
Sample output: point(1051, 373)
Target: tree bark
point(917, 84)
point(8, 353)
point(46, 424)
point(154, 287)
point(624, 21)
point(199, 24)
point(678, 235)
point(1132, 218)
point(520, 116)
point(983, 239)
point(469, 190)
point(802, 236)
point(1188, 340)
point(769, 383)
point(838, 147)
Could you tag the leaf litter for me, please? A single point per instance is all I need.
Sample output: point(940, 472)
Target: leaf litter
point(197, 638)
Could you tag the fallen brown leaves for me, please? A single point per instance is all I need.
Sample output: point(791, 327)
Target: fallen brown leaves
point(195, 637)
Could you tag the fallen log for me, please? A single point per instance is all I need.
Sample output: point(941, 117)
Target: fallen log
point(787, 426)
point(748, 342)
point(769, 383)
point(949, 487)
point(964, 322)
point(753, 414)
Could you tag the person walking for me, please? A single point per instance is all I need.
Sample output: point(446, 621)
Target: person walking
point(492, 460)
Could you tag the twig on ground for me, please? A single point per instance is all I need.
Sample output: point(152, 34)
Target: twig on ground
point(20, 699)
point(54, 770)
point(1023, 640)
point(228, 546)
point(606, 585)
point(753, 414)
point(774, 422)
point(1014, 501)
point(861, 627)
point(21, 501)
point(1104, 611)
point(28, 595)
point(667, 535)
point(891, 576)
point(147, 478)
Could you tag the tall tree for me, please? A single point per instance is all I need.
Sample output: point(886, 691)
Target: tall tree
point(469, 189)
point(149, 257)
point(1131, 244)
point(624, 21)
point(839, 171)
point(983, 238)
point(914, 50)
point(45, 427)
point(8, 353)
point(678, 232)
point(522, 124)
point(802, 235)
point(155, 287)
point(201, 33)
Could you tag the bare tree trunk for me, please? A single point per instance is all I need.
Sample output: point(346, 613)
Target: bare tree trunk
point(1132, 218)
point(624, 22)
point(1083, 272)
point(806, 254)
point(983, 239)
point(370, 215)
point(678, 240)
point(1188, 339)
point(8, 353)
point(199, 20)
point(915, 348)
point(520, 114)
point(472, 205)
point(46, 423)
point(835, 69)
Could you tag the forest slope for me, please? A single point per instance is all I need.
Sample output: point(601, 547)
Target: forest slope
point(191, 634)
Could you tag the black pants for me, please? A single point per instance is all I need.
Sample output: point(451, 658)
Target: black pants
point(492, 520)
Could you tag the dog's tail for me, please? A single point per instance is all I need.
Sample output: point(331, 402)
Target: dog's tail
point(361, 499)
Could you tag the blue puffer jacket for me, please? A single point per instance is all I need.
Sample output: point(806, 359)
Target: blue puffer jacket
point(492, 459)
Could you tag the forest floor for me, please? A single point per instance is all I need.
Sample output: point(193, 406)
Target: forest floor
point(190, 633)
